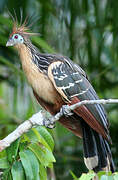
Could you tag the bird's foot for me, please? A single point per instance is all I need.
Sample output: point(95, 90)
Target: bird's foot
point(48, 123)
point(66, 111)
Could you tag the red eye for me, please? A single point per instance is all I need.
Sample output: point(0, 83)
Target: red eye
point(16, 36)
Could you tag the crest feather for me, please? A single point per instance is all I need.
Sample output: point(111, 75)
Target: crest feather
point(21, 28)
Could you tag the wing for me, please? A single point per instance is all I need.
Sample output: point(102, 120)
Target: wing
point(70, 81)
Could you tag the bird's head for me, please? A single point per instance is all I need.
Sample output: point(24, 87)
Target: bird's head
point(20, 34)
point(15, 39)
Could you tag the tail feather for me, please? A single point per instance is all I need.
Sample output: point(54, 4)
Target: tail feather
point(89, 145)
point(101, 152)
point(112, 166)
point(97, 153)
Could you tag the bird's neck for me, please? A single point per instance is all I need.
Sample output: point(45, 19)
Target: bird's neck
point(28, 52)
point(25, 57)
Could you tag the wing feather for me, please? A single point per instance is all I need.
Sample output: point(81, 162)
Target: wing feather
point(74, 86)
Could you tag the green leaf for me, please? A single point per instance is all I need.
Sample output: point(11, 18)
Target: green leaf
point(44, 155)
point(30, 164)
point(73, 175)
point(115, 177)
point(87, 176)
point(34, 136)
point(3, 154)
point(46, 136)
point(12, 150)
point(40, 138)
point(17, 171)
point(101, 173)
point(40, 134)
point(4, 163)
point(105, 177)
point(7, 175)
point(31, 136)
point(23, 146)
point(42, 173)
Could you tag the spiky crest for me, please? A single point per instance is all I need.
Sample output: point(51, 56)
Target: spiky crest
point(21, 28)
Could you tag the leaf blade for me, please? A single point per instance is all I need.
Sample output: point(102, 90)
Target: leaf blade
point(30, 164)
point(17, 171)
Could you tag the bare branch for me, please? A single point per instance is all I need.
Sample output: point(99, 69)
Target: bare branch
point(100, 101)
point(36, 119)
point(39, 119)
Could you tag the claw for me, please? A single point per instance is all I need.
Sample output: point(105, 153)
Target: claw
point(48, 124)
point(66, 111)
point(51, 126)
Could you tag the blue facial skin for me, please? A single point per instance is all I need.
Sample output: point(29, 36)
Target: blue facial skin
point(15, 39)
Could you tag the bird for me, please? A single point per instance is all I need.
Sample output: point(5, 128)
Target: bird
point(57, 81)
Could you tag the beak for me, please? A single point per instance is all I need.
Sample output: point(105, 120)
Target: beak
point(10, 42)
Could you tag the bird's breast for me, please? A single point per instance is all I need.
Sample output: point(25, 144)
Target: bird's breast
point(38, 80)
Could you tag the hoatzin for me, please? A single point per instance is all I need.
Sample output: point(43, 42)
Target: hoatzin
point(57, 81)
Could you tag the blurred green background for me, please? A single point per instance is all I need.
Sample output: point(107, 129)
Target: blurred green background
point(84, 30)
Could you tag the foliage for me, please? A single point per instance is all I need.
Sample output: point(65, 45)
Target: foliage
point(101, 175)
point(29, 156)
point(85, 31)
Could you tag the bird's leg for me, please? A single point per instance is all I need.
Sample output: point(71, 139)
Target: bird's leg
point(48, 123)
point(42, 119)
point(66, 111)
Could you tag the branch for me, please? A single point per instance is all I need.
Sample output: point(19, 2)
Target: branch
point(39, 119)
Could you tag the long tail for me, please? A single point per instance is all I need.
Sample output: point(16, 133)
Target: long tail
point(97, 153)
